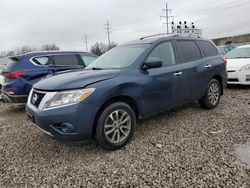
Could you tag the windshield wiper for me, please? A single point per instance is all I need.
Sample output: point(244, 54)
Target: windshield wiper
point(96, 68)
point(239, 57)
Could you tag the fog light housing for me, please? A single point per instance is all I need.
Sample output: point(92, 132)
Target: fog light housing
point(64, 128)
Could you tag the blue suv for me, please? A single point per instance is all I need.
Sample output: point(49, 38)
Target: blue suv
point(24, 70)
point(132, 81)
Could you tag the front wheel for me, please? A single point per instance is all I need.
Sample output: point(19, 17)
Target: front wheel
point(115, 126)
point(212, 96)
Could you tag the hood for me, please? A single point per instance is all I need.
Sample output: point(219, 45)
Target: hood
point(75, 80)
point(237, 64)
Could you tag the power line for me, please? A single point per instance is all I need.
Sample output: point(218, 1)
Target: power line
point(86, 41)
point(107, 27)
point(166, 13)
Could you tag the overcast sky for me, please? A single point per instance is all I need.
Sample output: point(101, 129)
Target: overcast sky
point(64, 22)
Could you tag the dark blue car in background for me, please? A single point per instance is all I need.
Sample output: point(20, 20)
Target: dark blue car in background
point(24, 70)
point(132, 81)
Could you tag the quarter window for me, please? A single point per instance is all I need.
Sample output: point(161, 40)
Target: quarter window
point(66, 60)
point(188, 50)
point(207, 48)
point(165, 52)
point(88, 59)
point(41, 60)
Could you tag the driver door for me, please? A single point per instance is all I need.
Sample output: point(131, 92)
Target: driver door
point(163, 86)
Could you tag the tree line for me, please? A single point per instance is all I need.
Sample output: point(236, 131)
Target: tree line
point(26, 49)
point(98, 49)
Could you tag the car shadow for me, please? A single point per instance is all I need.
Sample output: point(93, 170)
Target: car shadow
point(238, 87)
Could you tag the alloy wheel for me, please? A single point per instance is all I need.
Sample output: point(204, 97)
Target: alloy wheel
point(214, 93)
point(117, 126)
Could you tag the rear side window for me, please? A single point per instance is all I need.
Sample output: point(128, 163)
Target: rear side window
point(207, 48)
point(189, 51)
point(165, 52)
point(88, 59)
point(66, 60)
point(41, 60)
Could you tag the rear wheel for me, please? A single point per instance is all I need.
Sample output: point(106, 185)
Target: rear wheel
point(212, 97)
point(115, 126)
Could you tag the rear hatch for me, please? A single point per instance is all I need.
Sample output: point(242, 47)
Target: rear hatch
point(9, 72)
point(11, 63)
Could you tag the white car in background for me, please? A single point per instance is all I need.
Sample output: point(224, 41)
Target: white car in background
point(238, 65)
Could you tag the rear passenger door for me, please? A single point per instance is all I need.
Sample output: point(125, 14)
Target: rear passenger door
point(37, 72)
point(194, 73)
point(65, 62)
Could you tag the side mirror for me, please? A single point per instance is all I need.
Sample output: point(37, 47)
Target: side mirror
point(152, 62)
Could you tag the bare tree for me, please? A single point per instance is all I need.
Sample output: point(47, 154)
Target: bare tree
point(95, 49)
point(112, 45)
point(10, 53)
point(100, 48)
point(25, 49)
point(50, 47)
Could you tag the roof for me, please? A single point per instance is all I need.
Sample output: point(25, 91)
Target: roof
point(52, 52)
point(159, 37)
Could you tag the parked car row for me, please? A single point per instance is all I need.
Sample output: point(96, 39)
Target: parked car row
point(77, 97)
point(132, 81)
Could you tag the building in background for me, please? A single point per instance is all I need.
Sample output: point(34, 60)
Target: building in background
point(237, 39)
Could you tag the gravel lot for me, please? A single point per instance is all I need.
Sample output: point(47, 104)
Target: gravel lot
point(187, 147)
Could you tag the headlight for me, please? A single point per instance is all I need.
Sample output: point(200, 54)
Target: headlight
point(244, 68)
point(69, 97)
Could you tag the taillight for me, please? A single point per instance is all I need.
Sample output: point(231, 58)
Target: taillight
point(225, 61)
point(14, 75)
point(10, 91)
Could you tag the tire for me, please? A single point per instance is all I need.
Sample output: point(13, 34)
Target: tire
point(115, 126)
point(212, 96)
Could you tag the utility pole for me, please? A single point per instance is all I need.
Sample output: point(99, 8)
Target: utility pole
point(86, 41)
point(166, 13)
point(108, 28)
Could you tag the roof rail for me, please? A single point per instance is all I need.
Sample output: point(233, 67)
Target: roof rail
point(188, 35)
point(172, 35)
point(155, 35)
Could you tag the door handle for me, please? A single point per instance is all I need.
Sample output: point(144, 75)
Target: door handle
point(177, 73)
point(208, 66)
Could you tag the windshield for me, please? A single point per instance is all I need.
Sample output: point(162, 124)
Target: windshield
point(118, 57)
point(238, 53)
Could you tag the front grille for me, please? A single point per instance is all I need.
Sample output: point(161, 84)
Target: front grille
point(36, 98)
point(233, 80)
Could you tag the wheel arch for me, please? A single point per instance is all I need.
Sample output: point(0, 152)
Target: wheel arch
point(122, 98)
point(219, 78)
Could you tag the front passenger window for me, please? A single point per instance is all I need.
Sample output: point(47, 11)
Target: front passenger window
point(88, 59)
point(165, 52)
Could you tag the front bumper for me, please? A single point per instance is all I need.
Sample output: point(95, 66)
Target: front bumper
point(22, 99)
point(78, 118)
point(239, 77)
